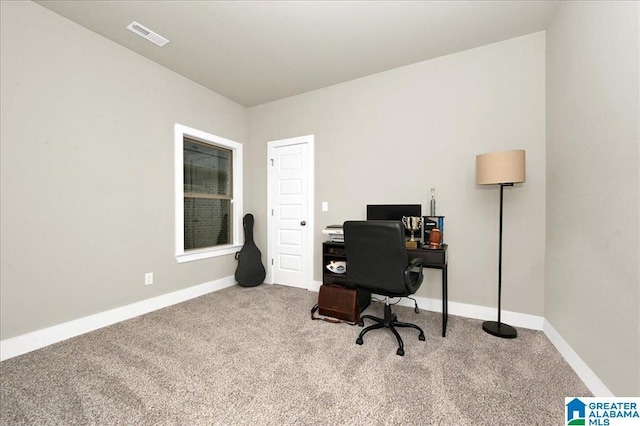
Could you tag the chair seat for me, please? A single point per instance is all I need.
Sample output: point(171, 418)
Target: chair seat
point(416, 280)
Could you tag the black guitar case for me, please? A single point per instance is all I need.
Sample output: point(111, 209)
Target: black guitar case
point(250, 271)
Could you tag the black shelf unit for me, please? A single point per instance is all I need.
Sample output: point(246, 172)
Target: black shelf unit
point(332, 251)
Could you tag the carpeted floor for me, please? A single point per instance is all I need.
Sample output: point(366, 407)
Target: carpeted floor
point(252, 356)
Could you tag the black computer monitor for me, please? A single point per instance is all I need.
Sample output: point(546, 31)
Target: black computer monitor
point(393, 212)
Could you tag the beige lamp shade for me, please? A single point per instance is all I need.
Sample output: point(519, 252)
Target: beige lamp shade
point(500, 167)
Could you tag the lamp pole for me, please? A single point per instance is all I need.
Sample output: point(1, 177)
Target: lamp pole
point(492, 327)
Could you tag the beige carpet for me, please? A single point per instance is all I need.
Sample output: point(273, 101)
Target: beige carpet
point(252, 356)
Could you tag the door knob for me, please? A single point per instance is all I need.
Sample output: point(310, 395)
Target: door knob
point(303, 223)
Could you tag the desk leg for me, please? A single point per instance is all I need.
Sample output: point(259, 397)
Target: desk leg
point(445, 301)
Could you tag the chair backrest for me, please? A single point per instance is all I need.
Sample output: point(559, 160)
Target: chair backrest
point(376, 256)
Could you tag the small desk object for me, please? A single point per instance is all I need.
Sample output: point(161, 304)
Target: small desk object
point(435, 259)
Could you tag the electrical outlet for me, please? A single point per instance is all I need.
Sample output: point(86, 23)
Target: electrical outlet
point(148, 278)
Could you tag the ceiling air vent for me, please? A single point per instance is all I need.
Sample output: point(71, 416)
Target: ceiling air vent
point(145, 32)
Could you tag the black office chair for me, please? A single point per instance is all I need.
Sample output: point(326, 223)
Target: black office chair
point(377, 261)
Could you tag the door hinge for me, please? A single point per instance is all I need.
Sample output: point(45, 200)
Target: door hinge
point(271, 212)
point(271, 162)
point(271, 262)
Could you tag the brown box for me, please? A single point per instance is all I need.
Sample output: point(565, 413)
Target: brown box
point(339, 302)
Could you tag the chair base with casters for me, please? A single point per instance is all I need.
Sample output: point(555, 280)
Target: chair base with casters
point(389, 321)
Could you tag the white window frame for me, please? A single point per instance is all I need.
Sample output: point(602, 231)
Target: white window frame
point(180, 132)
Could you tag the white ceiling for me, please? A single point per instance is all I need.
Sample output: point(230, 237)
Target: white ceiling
point(255, 52)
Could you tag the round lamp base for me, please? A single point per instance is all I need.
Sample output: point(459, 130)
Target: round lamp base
point(500, 329)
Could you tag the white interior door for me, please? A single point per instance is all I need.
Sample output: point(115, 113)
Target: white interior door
point(290, 212)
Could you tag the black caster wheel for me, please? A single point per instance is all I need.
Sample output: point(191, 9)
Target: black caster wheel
point(421, 337)
point(400, 352)
point(361, 323)
point(359, 341)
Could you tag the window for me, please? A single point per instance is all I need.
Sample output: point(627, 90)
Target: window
point(208, 175)
point(207, 194)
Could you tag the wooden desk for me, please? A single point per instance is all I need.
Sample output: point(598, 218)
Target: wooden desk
point(437, 259)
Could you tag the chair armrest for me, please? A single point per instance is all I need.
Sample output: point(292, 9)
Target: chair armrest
point(417, 262)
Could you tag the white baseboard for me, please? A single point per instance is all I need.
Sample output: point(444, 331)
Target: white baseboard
point(315, 286)
point(595, 385)
point(515, 319)
point(19, 345)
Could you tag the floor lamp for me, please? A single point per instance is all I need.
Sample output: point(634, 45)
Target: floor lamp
point(500, 168)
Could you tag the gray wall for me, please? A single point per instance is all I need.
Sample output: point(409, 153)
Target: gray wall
point(592, 294)
point(389, 137)
point(87, 181)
